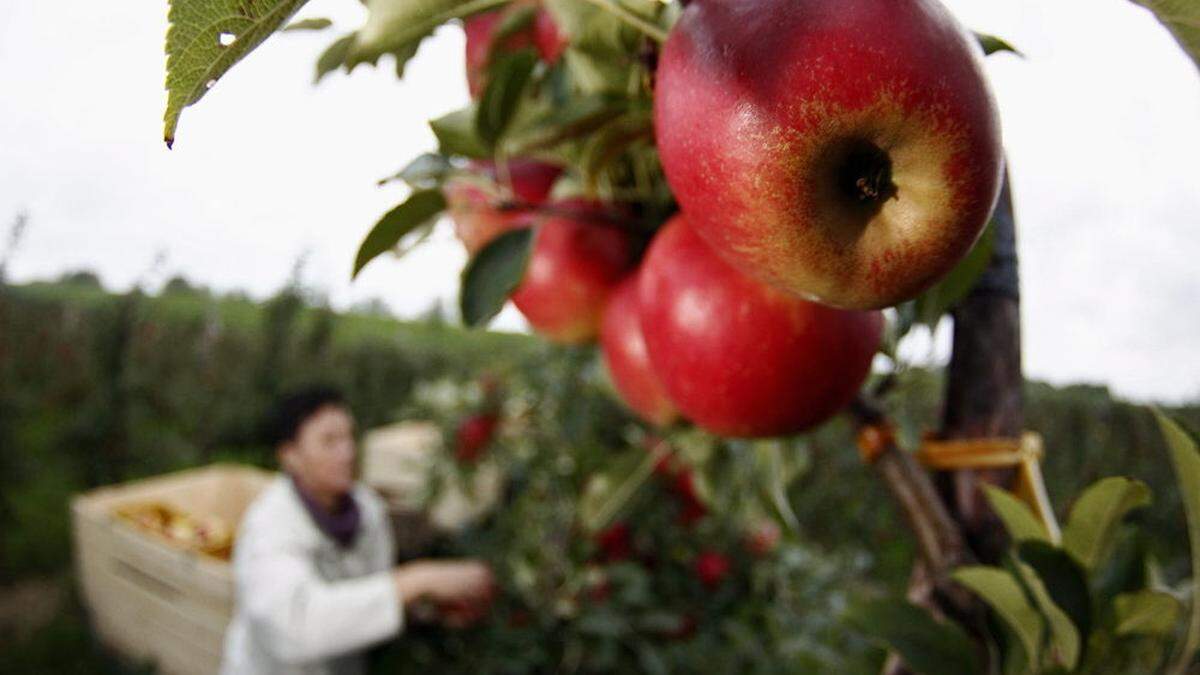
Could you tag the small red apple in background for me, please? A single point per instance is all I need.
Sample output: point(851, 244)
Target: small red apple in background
point(711, 568)
point(461, 614)
point(576, 263)
point(520, 618)
point(844, 150)
point(480, 209)
point(741, 358)
point(691, 507)
point(474, 434)
point(615, 542)
point(550, 42)
point(624, 352)
point(481, 32)
point(762, 538)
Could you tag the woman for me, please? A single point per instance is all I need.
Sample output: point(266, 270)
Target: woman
point(314, 555)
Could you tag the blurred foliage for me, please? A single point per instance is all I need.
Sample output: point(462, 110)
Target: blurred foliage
point(100, 388)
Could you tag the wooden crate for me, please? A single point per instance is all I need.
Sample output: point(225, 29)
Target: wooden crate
point(150, 600)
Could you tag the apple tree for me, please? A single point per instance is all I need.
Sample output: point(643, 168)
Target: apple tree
point(746, 204)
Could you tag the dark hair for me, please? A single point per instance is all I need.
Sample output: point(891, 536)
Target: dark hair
point(293, 410)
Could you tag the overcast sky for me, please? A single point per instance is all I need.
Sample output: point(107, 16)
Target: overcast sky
point(1100, 123)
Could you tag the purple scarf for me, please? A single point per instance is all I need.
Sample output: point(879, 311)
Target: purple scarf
point(340, 525)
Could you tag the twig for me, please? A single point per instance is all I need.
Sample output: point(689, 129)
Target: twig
point(632, 19)
point(939, 540)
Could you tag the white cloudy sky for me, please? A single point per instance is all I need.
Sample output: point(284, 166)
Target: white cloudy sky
point(1100, 123)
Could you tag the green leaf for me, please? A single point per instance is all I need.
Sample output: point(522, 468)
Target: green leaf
point(506, 82)
point(933, 303)
point(493, 274)
point(514, 21)
point(992, 44)
point(426, 171)
point(1004, 595)
point(333, 57)
point(1182, 18)
point(928, 647)
point(205, 38)
point(1125, 571)
point(1065, 581)
point(583, 116)
point(415, 211)
point(1186, 458)
point(398, 26)
point(1094, 519)
point(603, 623)
point(456, 134)
point(1017, 518)
point(1146, 612)
point(1064, 636)
point(600, 58)
point(308, 24)
point(775, 483)
point(611, 141)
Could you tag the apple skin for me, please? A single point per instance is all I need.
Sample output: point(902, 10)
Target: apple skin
point(624, 352)
point(481, 214)
point(768, 113)
point(579, 258)
point(741, 358)
point(473, 436)
point(480, 30)
point(615, 542)
point(691, 507)
point(762, 538)
point(711, 568)
point(550, 42)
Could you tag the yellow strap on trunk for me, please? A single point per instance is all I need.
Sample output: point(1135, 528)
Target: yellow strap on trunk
point(1024, 453)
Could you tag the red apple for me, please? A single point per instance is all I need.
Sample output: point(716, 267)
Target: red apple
point(712, 568)
point(844, 150)
point(483, 209)
point(624, 352)
point(691, 507)
point(550, 42)
point(481, 33)
point(579, 257)
point(741, 358)
point(615, 542)
point(762, 538)
point(459, 614)
point(474, 435)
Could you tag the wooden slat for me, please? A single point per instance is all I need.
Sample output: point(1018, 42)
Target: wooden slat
point(149, 599)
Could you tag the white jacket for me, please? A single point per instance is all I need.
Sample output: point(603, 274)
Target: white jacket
point(304, 605)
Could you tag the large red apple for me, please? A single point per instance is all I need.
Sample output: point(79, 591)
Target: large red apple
point(844, 150)
point(624, 351)
point(742, 358)
point(482, 210)
point(579, 257)
point(481, 29)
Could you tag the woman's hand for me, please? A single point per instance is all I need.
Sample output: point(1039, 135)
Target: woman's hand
point(445, 582)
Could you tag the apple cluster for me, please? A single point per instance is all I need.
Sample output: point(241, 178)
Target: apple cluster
point(828, 158)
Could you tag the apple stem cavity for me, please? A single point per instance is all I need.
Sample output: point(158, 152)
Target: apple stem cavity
point(866, 174)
